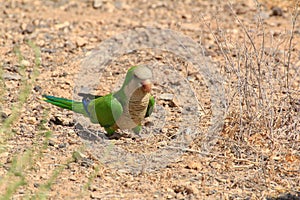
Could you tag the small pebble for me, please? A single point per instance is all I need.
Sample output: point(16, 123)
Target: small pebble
point(72, 178)
point(3, 115)
point(93, 188)
point(80, 42)
point(37, 88)
point(276, 11)
point(51, 143)
point(25, 63)
point(166, 96)
point(62, 145)
point(36, 185)
point(31, 120)
point(98, 3)
point(11, 76)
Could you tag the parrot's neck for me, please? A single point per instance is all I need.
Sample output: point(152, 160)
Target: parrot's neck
point(120, 95)
point(134, 108)
point(124, 97)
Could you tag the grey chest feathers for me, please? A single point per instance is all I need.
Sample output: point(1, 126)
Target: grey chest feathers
point(134, 110)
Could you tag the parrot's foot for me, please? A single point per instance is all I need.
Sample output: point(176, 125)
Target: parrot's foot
point(114, 136)
point(111, 134)
point(137, 130)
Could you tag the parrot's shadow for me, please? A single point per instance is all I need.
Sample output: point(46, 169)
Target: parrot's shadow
point(95, 135)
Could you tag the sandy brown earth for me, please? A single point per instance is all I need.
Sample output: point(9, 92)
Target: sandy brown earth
point(251, 84)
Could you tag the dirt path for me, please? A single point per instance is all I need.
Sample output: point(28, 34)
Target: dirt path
point(255, 154)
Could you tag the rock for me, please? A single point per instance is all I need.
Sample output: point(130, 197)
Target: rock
point(12, 76)
point(25, 63)
point(191, 79)
point(41, 43)
point(240, 10)
point(171, 101)
point(37, 88)
point(27, 28)
point(121, 5)
point(3, 116)
point(62, 25)
point(72, 178)
point(78, 156)
point(51, 143)
point(183, 189)
point(56, 121)
point(193, 165)
point(166, 96)
point(62, 145)
point(93, 188)
point(21, 191)
point(80, 42)
point(265, 15)
point(276, 11)
point(36, 185)
point(95, 196)
point(31, 120)
point(149, 124)
point(98, 3)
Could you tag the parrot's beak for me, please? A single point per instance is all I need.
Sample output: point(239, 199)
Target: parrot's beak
point(147, 86)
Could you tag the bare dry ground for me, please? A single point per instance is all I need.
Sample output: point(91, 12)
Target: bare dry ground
point(254, 47)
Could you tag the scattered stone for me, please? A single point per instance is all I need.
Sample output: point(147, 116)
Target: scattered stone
point(62, 145)
point(86, 162)
point(93, 188)
point(240, 10)
point(149, 124)
point(276, 11)
point(31, 120)
point(191, 78)
point(36, 185)
point(80, 42)
point(166, 96)
point(25, 63)
point(72, 178)
point(183, 189)
point(193, 165)
point(11, 76)
point(262, 16)
point(48, 50)
point(62, 25)
point(56, 121)
point(27, 28)
point(98, 3)
point(21, 191)
point(95, 196)
point(78, 156)
point(3, 116)
point(51, 143)
point(37, 88)
point(41, 43)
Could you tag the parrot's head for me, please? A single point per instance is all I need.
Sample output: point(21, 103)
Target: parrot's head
point(138, 77)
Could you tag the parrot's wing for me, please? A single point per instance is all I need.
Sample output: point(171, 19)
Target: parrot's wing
point(90, 96)
point(106, 110)
point(150, 106)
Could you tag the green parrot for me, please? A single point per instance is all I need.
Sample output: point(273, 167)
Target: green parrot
point(124, 109)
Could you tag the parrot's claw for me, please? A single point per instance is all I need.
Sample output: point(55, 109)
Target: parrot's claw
point(114, 136)
point(137, 130)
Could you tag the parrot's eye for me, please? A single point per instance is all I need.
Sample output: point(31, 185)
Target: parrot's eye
point(135, 76)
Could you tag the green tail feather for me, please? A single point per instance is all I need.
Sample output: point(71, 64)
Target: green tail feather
point(75, 106)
